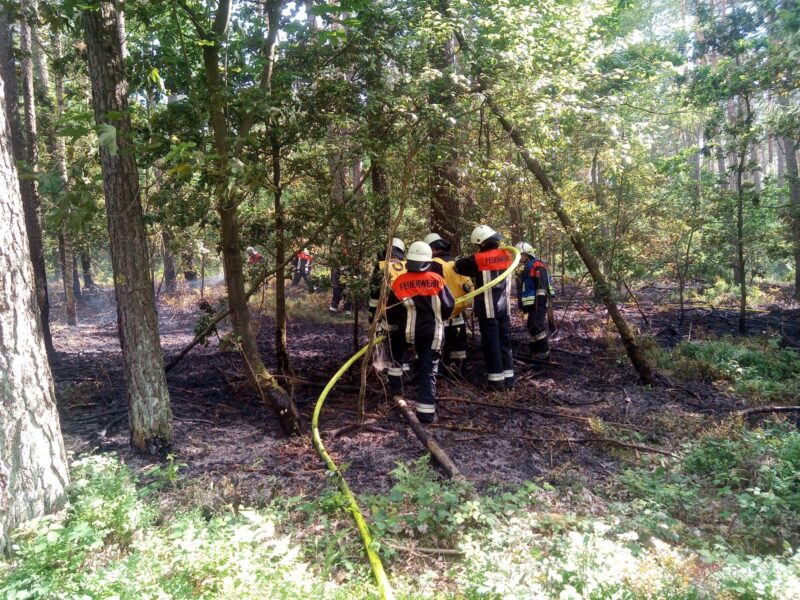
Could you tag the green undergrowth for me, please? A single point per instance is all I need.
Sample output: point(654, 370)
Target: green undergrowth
point(758, 368)
point(438, 539)
point(733, 487)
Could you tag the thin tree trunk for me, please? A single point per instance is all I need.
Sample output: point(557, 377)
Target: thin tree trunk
point(635, 353)
point(34, 215)
point(33, 464)
point(170, 279)
point(258, 375)
point(66, 259)
point(281, 350)
point(790, 161)
point(76, 281)
point(86, 269)
point(30, 200)
point(57, 149)
point(445, 211)
point(149, 412)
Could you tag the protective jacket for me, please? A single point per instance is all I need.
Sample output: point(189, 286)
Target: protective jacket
point(459, 285)
point(483, 267)
point(533, 282)
point(494, 312)
point(419, 304)
point(397, 266)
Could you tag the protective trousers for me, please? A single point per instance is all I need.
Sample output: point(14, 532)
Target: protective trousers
point(496, 343)
point(339, 291)
point(454, 351)
point(304, 275)
point(537, 323)
point(427, 368)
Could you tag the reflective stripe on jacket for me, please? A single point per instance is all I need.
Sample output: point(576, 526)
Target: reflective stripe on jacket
point(419, 303)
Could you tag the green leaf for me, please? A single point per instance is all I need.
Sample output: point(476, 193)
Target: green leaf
point(74, 132)
point(108, 138)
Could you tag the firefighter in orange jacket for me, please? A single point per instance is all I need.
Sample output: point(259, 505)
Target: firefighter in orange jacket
point(302, 269)
point(419, 303)
point(454, 351)
point(493, 307)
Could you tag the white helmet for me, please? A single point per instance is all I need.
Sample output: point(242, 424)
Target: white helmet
point(398, 243)
point(250, 250)
point(483, 233)
point(419, 252)
point(524, 248)
point(432, 237)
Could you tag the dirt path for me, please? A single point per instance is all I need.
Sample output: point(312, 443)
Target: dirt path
point(224, 435)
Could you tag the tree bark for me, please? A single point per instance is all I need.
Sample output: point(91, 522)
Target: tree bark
point(260, 378)
point(635, 353)
point(170, 279)
point(58, 153)
point(149, 414)
point(790, 162)
point(20, 152)
point(33, 465)
point(86, 269)
point(66, 259)
point(34, 214)
point(445, 209)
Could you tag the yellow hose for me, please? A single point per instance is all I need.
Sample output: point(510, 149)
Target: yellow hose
point(384, 587)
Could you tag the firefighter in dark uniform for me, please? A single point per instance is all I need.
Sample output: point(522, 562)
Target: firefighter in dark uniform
point(454, 351)
point(419, 303)
point(533, 295)
point(493, 306)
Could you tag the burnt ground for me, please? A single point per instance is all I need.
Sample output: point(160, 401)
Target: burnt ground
point(226, 438)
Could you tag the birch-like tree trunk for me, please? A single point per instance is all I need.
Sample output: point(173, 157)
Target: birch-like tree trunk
point(33, 465)
point(149, 412)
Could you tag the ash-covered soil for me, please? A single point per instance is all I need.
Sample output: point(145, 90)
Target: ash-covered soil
point(557, 422)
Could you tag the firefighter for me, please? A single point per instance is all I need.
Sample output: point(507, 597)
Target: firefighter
point(419, 303)
point(396, 267)
point(454, 351)
point(302, 269)
point(493, 306)
point(255, 263)
point(533, 294)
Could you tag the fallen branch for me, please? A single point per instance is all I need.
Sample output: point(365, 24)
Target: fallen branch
point(591, 440)
point(428, 440)
point(766, 409)
point(423, 550)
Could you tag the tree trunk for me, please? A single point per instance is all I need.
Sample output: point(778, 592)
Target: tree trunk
point(635, 353)
point(445, 211)
point(740, 265)
point(260, 378)
point(170, 279)
point(33, 464)
point(794, 209)
point(66, 259)
point(57, 149)
point(150, 415)
point(281, 351)
point(76, 281)
point(20, 150)
point(790, 162)
point(86, 269)
point(34, 214)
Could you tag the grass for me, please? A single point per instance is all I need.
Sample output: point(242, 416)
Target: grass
point(116, 539)
point(758, 368)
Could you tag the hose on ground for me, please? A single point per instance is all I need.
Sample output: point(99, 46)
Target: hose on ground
point(384, 587)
